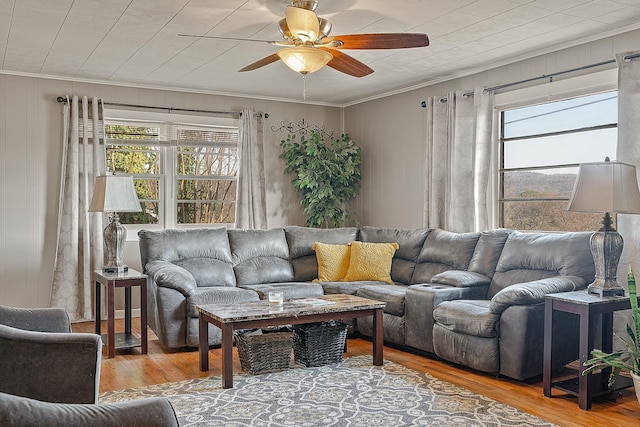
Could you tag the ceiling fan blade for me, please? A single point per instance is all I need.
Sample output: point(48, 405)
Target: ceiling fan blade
point(261, 63)
point(227, 38)
point(347, 64)
point(303, 24)
point(379, 41)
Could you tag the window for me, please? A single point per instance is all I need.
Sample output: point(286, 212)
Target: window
point(184, 173)
point(541, 147)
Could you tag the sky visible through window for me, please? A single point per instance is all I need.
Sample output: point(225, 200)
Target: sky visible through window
point(580, 147)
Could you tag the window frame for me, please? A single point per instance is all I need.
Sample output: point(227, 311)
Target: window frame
point(168, 152)
point(583, 85)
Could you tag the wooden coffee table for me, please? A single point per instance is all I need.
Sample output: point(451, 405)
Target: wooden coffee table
point(260, 314)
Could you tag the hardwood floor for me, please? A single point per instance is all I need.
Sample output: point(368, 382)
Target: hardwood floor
point(130, 369)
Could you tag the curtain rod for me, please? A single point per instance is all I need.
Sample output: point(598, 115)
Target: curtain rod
point(170, 109)
point(626, 58)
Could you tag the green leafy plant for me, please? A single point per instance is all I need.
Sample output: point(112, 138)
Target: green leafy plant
point(629, 357)
point(327, 175)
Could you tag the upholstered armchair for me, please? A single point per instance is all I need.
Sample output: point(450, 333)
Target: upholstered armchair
point(40, 359)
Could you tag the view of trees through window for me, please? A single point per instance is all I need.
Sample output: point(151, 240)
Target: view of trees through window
point(541, 148)
point(206, 177)
point(183, 174)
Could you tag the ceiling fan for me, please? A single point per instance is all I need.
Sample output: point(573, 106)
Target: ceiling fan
point(307, 46)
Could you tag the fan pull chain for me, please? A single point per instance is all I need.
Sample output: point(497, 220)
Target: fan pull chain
point(304, 86)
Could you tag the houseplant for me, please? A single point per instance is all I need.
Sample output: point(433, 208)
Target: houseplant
point(326, 173)
point(629, 357)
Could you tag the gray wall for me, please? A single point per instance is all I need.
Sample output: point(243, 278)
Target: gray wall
point(30, 159)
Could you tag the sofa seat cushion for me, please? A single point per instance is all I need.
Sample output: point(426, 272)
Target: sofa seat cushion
point(290, 290)
point(349, 288)
point(392, 295)
point(470, 317)
point(218, 295)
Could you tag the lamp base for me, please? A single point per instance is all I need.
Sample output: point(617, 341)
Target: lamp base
point(606, 248)
point(121, 269)
point(605, 292)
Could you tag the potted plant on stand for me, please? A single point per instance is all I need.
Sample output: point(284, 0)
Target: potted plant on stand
point(629, 357)
point(326, 173)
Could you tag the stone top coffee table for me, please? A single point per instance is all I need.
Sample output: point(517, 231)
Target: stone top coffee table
point(260, 314)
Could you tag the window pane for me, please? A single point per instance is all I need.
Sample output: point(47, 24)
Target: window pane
point(133, 160)
point(576, 113)
point(541, 184)
point(548, 216)
point(206, 213)
point(149, 214)
point(580, 147)
point(212, 201)
point(207, 161)
point(536, 183)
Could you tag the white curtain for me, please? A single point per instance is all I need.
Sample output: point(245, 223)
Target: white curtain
point(251, 208)
point(79, 246)
point(629, 152)
point(461, 171)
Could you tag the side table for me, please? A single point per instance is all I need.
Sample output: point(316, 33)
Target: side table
point(126, 280)
point(591, 309)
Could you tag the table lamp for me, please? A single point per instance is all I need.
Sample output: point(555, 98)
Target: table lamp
point(606, 187)
point(113, 194)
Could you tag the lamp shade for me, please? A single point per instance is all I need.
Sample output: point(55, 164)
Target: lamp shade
point(114, 193)
point(606, 187)
point(303, 59)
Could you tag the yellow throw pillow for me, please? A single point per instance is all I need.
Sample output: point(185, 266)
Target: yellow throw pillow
point(333, 261)
point(371, 261)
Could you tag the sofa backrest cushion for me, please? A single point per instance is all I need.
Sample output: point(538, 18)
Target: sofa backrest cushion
point(488, 250)
point(204, 252)
point(300, 241)
point(410, 243)
point(444, 250)
point(533, 256)
point(260, 256)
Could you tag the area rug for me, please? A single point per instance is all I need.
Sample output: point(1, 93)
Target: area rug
point(354, 393)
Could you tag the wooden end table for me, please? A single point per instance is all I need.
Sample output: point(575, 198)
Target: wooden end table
point(260, 314)
point(591, 309)
point(126, 280)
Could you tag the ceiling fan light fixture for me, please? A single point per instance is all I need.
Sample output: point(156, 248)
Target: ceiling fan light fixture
point(303, 24)
point(303, 59)
point(305, 4)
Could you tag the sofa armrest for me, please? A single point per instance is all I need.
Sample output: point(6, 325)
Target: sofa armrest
point(51, 367)
point(36, 319)
point(21, 411)
point(461, 279)
point(533, 292)
point(169, 275)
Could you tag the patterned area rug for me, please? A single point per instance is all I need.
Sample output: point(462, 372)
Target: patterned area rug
point(354, 393)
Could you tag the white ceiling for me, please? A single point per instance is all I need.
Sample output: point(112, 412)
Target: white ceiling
point(136, 41)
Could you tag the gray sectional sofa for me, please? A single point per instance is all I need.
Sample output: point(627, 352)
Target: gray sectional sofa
point(475, 299)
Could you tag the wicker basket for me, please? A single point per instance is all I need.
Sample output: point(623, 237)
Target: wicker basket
point(317, 344)
point(268, 351)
